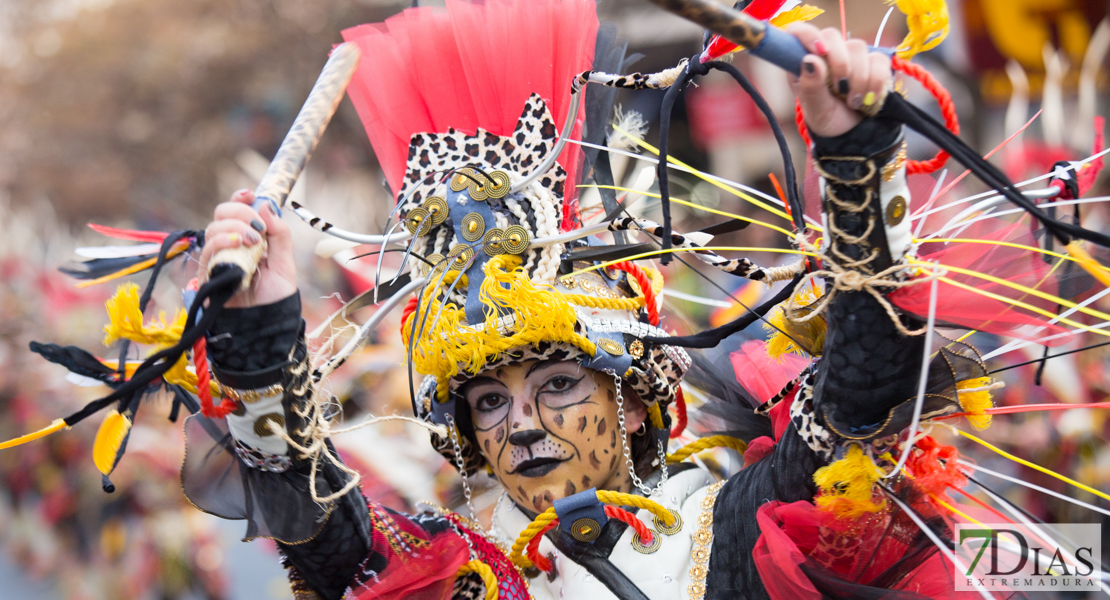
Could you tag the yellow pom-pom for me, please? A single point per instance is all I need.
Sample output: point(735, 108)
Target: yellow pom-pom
point(108, 440)
point(927, 21)
point(975, 399)
point(788, 333)
point(848, 486)
point(125, 321)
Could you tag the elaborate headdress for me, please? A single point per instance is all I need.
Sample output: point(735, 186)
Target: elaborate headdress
point(469, 147)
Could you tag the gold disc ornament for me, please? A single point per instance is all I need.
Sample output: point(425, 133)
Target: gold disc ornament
point(498, 185)
point(437, 209)
point(515, 239)
point(492, 241)
point(473, 227)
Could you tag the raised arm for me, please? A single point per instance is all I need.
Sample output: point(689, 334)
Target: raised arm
point(239, 468)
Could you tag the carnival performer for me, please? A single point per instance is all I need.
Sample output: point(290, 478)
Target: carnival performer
point(544, 362)
point(553, 390)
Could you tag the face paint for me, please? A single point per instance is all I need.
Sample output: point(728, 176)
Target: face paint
point(542, 427)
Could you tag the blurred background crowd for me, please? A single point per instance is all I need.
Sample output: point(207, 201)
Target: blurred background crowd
point(146, 114)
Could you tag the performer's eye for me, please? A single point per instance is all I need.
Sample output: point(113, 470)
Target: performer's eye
point(491, 402)
point(560, 383)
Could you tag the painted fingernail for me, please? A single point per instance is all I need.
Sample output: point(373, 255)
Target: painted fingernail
point(842, 86)
point(241, 192)
point(869, 99)
point(820, 48)
point(258, 226)
point(809, 66)
point(233, 238)
point(274, 208)
point(856, 102)
point(253, 238)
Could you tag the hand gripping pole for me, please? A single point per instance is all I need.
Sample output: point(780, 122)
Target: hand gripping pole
point(294, 153)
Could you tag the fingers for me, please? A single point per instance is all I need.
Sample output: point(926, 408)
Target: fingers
point(859, 72)
point(277, 232)
point(809, 36)
point(880, 76)
point(221, 235)
point(840, 68)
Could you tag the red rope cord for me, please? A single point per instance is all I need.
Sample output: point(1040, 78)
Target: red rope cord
point(534, 555)
point(410, 308)
point(645, 287)
point(615, 512)
point(930, 83)
point(204, 390)
point(680, 414)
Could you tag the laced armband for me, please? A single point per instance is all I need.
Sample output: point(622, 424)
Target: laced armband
point(866, 198)
point(259, 410)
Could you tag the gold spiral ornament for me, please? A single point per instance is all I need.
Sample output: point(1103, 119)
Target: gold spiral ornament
point(515, 240)
point(436, 261)
point(611, 346)
point(492, 241)
point(585, 529)
point(418, 221)
point(437, 209)
point(639, 546)
point(478, 191)
point(460, 181)
point(498, 185)
point(661, 527)
point(459, 255)
point(473, 227)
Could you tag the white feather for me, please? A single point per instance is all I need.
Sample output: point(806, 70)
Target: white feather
point(117, 251)
point(82, 381)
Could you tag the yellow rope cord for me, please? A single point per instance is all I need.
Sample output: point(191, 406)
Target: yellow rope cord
point(516, 554)
point(1028, 307)
point(631, 304)
point(1021, 288)
point(694, 206)
point(1022, 461)
point(623, 499)
point(673, 250)
point(705, 443)
point(486, 573)
point(57, 425)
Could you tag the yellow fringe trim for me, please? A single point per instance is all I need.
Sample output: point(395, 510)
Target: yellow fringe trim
point(57, 425)
point(975, 402)
point(811, 333)
point(126, 321)
point(482, 569)
point(705, 443)
point(540, 315)
point(848, 485)
point(109, 437)
point(927, 21)
point(656, 416)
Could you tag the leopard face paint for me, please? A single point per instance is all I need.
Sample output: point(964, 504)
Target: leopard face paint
point(548, 429)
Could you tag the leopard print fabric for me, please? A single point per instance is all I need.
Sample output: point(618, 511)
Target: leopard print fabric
point(469, 587)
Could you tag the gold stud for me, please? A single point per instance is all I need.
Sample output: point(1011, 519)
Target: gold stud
point(636, 348)
point(262, 425)
point(437, 209)
point(473, 226)
point(585, 529)
point(515, 240)
point(895, 211)
point(612, 347)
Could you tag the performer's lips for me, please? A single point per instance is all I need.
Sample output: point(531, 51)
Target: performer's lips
point(537, 467)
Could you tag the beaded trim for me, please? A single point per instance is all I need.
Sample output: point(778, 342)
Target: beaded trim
point(703, 542)
point(274, 463)
point(251, 396)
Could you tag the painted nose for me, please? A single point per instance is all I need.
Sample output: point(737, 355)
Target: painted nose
point(527, 438)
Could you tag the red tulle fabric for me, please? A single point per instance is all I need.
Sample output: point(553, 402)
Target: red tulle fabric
point(762, 375)
point(466, 66)
point(425, 572)
point(974, 310)
point(797, 534)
